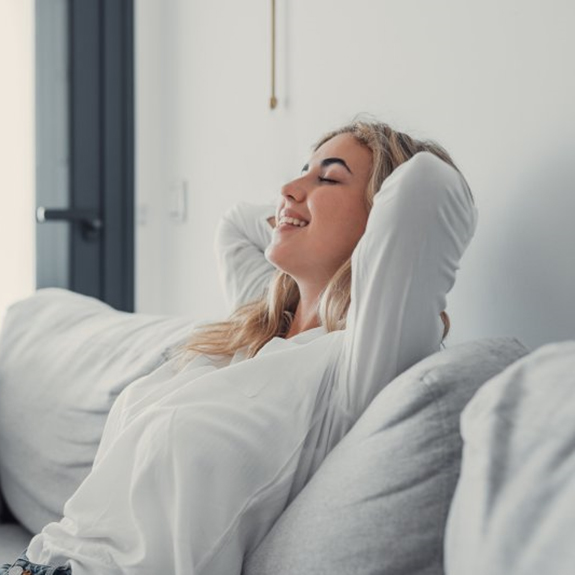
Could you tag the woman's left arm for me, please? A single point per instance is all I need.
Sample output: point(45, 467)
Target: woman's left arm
point(421, 222)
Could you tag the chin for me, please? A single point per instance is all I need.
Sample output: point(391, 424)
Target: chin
point(271, 254)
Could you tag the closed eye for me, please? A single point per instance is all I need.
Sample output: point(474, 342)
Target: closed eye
point(328, 180)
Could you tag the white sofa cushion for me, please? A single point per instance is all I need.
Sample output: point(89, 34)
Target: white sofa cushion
point(64, 358)
point(514, 508)
point(379, 502)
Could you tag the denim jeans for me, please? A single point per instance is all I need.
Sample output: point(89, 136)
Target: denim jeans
point(23, 567)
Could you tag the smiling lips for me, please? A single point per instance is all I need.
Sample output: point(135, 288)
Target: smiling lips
point(291, 218)
point(292, 221)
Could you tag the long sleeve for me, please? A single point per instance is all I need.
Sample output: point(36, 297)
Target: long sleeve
point(402, 269)
point(241, 239)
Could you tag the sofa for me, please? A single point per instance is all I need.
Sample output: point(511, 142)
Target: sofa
point(400, 494)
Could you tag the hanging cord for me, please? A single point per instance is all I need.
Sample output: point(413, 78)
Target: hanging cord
point(273, 99)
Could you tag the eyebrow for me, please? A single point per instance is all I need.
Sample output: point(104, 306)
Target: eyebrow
point(327, 162)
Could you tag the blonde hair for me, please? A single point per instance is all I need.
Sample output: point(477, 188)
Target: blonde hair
point(252, 325)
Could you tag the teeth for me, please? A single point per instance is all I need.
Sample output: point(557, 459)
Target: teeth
point(293, 221)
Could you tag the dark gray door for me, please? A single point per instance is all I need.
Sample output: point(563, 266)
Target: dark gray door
point(85, 149)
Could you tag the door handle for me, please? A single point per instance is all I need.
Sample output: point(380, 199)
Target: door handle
point(89, 219)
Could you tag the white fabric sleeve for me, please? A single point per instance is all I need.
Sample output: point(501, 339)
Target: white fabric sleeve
point(422, 220)
point(241, 239)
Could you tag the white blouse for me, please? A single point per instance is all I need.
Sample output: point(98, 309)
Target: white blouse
point(196, 464)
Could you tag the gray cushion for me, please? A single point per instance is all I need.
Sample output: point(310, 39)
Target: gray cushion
point(63, 360)
point(514, 508)
point(379, 502)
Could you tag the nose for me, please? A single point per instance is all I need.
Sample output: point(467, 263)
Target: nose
point(294, 191)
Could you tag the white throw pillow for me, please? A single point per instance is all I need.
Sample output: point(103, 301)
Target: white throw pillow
point(64, 358)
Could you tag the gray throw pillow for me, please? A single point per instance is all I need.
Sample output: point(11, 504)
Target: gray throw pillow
point(64, 358)
point(379, 502)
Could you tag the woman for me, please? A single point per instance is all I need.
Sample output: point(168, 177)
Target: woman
point(198, 461)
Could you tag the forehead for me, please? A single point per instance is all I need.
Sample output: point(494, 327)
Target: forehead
point(347, 147)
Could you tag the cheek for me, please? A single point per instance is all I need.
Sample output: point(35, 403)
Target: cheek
point(339, 237)
point(346, 207)
point(347, 223)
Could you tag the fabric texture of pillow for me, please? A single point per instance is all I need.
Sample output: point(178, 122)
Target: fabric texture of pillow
point(64, 358)
point(379, 502)
point(514, 507)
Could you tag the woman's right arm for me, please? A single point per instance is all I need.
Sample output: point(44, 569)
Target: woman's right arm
point(242, 236)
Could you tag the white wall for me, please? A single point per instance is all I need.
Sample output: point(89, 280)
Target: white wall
point(17, 263)
point(491, 80)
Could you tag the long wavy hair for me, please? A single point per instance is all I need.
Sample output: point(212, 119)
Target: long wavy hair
point(252, 325)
